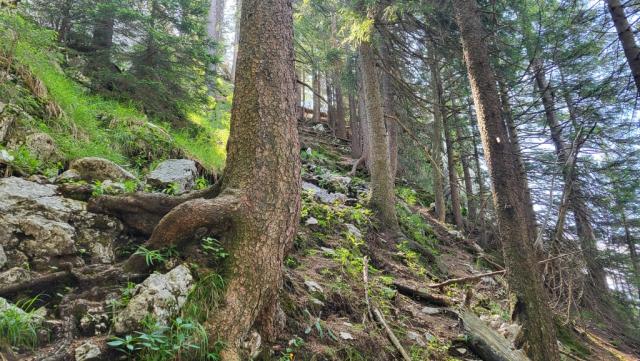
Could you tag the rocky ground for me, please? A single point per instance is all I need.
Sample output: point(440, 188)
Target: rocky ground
point(63, 299)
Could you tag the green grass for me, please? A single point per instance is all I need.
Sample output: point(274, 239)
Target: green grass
point(19, 324)
point(95, 126)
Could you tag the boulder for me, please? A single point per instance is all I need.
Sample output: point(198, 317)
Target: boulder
point(3, 257)
point(46, 229)
point(160, 295)
point(70, 175)
point(180, 174)
point(14, 275)
point(323, 195)
point(42, 146)
point(99, 169)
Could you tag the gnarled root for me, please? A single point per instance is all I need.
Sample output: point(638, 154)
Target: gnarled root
point(141, 212)
point(187, 220)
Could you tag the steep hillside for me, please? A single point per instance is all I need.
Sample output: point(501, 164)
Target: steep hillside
point(67, 298)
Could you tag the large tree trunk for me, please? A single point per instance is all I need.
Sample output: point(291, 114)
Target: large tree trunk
point(436, 138)
point(627, 39)
point(257, 211)
point(574, 196)
point(341, 125)
point(453, 176)
point(466, 172)
point(507, 183)
point(382, 186)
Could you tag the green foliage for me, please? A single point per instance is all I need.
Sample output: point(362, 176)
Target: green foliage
point(212, 247)
point(18, 325)
point(151, 256)
point(204, 297)
point(24, 161)
point(416, 228)
point(162, 343)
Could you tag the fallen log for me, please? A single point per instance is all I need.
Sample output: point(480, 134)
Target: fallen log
point(422, 295)
point(486, 342)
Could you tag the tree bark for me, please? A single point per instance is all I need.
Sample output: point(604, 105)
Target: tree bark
point(316, 95)
point(382, 186)
point(214, 31)
point(453, 176)
point(627, 39)
point(462, 132)
point(257, 211)
point(389, 100)
point(507, 183)
point(436, 139)
point(340, 123)
point(633, 254)
point(356, 133)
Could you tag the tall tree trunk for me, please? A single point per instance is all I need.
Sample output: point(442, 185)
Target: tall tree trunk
point(453, 175)
point(65, 21)
point(436, 138)
point(356, 133)
point(627, 39)
point(462, 132)
point(382, 186)
point(236, 40)
point(331, 116)
point(574, 195)
point(365, 128)
point(316, 95)
point(214, 32)
point(257, 210)
point(341, 124)
point(389, 99)
point(507, 183)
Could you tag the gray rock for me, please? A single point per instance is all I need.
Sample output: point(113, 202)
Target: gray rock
point(323, 195)
point(353, 230)
point(336, 182)
point(415, 337)
point(69, 175)
point(88, 351)
point(47, 229)
point(161, 295)
point(346, 335)
point(311, 221)
point(313, 286)
point(429, 337)
point(430, 310)
point(14, 275)
point(180, 172)
point(5, 157)
point(42, 146)
point(3, 257)
point(99, 169)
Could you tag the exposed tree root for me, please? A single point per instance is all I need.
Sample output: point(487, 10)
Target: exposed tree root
point(143, 211)
point(186, 221)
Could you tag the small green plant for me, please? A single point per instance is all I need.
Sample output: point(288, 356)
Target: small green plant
point(19, 323)
point(130, 185)
point(289, 352)
point(290, 262)
point(212, 247)
point(24, 161)
point(97, 189)
point(408, 195)
point(127, 344)
point(151, 257)
point(171, 188)
point(202, 183)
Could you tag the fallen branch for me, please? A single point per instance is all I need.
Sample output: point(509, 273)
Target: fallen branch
point(490, 274)
point(422, 295)
point(391, 335)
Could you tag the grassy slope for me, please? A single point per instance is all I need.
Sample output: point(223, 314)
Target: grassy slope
point(82, 132)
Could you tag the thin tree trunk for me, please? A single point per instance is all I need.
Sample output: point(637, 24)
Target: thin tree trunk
point(331, 114)
point(382, 186)
point(575, 197)
point(507, 182)
point(316, 96)
point(356, 133)
point(365, 129)
point(436, 139)
point(214, 31)
point(236, 40)
point(626, 37)
point(468, 183)
point(453, 175)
